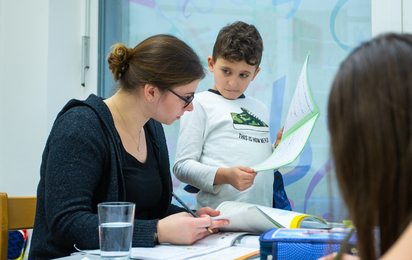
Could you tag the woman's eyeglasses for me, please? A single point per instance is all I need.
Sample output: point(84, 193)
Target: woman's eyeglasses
point(186, 100)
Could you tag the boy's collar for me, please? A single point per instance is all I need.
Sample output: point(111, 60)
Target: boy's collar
point(217, 92)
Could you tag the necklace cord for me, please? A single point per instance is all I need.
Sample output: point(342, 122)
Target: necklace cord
point(127, 129)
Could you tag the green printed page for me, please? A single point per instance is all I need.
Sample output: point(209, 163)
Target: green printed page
point(300, 122)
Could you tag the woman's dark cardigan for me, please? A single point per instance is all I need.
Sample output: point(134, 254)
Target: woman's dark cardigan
point(81, 167)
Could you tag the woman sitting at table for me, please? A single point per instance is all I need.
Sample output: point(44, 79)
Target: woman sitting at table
point(370, 122)
point(115, 150)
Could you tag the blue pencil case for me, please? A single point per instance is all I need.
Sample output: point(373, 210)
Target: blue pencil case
point(297, 244)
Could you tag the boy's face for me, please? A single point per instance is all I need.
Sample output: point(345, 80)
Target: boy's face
point(231, 78)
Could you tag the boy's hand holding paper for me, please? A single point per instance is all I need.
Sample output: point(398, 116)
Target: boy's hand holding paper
point(300, 122)
point(240, 177)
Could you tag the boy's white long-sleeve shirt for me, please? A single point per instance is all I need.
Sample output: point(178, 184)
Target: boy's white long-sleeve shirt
point(222, 133)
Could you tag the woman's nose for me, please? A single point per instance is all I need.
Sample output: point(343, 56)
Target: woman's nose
point(189, 107)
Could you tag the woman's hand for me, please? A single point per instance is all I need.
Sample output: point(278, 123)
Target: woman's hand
point(183, 229)
point(207, 211)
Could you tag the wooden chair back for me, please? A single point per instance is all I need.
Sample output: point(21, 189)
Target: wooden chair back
point(15, 213)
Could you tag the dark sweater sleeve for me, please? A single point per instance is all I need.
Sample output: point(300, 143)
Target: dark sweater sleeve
point(72, 171)
point(143, 232)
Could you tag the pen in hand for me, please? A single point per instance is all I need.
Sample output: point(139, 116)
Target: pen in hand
point(188, 209)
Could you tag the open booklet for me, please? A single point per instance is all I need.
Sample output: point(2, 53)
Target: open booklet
point(221, 245)
point(243, 247)
point(203, 247)
point(300, 121)
point(259, 219)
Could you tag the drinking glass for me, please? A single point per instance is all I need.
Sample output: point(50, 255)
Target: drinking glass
point(116, 229)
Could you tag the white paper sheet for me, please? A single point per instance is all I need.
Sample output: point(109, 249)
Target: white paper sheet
point(300, 105)
point(300, 121)
point(289, 149)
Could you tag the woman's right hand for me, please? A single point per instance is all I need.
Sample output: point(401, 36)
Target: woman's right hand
point(184, 229)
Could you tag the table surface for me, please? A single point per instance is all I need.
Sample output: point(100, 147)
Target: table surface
point(80, 257)
point(96, 257)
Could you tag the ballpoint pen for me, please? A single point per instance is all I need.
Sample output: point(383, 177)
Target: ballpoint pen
point(188, 209)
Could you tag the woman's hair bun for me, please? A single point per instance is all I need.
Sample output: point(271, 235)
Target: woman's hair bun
point(119, 60)
point(161, 60)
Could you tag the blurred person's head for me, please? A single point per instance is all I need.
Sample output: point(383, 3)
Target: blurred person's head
point(370, 122)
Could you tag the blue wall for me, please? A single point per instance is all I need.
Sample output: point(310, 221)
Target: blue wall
point(327, 29)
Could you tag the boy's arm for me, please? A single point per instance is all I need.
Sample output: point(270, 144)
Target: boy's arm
point(187, 167)
point(240, 177)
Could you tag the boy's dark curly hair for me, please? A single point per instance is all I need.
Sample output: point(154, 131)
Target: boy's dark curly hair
point(237, 42)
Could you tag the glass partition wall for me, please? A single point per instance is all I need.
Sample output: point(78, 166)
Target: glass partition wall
point(291, 29)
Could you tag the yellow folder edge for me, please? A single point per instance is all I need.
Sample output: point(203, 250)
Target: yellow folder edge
point(248, 255)
point(298, 219)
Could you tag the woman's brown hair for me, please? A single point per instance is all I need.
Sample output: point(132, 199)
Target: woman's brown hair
point(161, 60)
point(370, 122)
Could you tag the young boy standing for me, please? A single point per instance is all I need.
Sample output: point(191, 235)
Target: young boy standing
point(227, 128)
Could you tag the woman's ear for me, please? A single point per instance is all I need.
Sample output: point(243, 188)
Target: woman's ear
point(150, 92)
point(210, 63)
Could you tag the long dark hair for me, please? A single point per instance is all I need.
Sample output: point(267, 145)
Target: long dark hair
point(161, 60)
point(370, 122)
